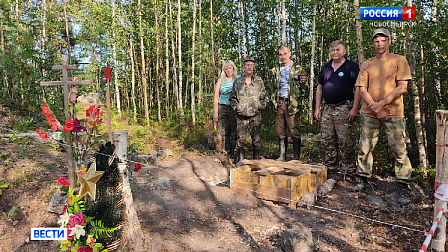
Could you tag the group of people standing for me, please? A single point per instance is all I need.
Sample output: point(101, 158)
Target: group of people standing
point(380, 83)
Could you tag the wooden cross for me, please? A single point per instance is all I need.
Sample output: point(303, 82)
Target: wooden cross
point(65, 82)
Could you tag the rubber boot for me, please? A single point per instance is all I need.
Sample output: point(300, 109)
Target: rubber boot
point(256, 154)
point(296, 149)
point(282, 145)
point(241, 153)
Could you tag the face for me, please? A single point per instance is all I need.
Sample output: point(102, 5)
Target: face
point(229, 71)
point(337, 52)
point(249, 67)
point(284, 55)
point(381, 44)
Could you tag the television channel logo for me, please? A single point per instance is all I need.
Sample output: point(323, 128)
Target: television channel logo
point(387, 13)
point(49, 234)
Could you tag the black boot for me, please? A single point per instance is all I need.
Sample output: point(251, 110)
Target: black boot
point(296, 144)
point(241, 155)
point(282, 143)
point(256, 154)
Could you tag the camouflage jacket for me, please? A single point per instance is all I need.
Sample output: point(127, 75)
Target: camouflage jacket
point(248, 100)
point(297, 89)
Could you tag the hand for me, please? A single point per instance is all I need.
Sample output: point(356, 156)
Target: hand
point(215, 117)
point(352, 115)
point(375, 107)
point(382, 116)
point(318, 115)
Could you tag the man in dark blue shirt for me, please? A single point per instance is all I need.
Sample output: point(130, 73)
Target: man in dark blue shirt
point(337, 106)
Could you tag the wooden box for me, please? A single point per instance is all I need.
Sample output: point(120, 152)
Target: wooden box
point(277, 181)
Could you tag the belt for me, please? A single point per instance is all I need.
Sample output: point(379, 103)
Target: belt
point(337, 104)
point(283, 99)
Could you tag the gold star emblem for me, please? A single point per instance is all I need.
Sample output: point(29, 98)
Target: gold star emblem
point(88, 181)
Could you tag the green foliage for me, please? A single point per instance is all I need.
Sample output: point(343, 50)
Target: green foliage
point(3, 186)
point(11, 212)
point(99, 231)
point(24, 124)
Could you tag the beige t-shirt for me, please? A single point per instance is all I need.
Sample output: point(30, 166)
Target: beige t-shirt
point(381, 77)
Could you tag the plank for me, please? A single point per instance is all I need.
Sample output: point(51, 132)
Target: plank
point(292, 165)
point(261, 191)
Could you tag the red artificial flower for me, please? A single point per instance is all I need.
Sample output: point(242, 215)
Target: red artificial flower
point(84, 249)
point(137, 165)
point(25, 66)
point(69, 201)
point(27, 70)
point(41, 134)
point(65, 184)
point(89, 111)
point(77, 126)
point(69, 125)
point(77, 219)
point(63, 211)
point(61, 179)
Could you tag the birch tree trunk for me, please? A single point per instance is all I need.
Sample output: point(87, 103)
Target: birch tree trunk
point(423, 95)
point(200, 55)
point(358, 26)
point(43, 33)
point(2, 41)
point(66, 29)
point(131, 56)
point(114, 55)
point(167, 67)
point(310, 98)
point(179, 51)
point(438, 86)
point(279, 31)
point(417, 114)
point(193, 100)
point(143, 70)
point(213, 41)
point(158, 80)
point(173, 49)
point(438, 241)
point(283, 22)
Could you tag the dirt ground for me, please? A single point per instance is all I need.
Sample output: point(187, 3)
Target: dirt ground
point(184, 203)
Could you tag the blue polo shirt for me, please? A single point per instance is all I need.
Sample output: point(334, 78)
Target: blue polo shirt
point(337, 86)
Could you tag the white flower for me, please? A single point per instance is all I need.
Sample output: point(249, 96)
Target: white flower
point(77, 230)
point(64, 219)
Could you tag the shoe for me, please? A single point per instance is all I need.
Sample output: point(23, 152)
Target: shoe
point(256, 154)
point(296, 148)
point(282, 143)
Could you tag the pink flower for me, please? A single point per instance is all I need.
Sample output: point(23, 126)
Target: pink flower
point(69, 201)
point(70, 238)
point(73, 95)
point(61, 179)
point(77, 219)
point(63, 211)
point(41, 134)
point(84, 249)
point(90, 241)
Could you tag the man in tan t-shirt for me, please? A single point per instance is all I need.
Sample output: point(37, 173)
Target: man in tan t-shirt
point(382, 81)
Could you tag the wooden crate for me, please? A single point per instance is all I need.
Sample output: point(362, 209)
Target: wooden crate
point(277, 181)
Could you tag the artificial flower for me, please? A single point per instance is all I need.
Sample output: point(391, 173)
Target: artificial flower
point(77, 126)
point(137, 166)
point(84, 249)
point(77, 231)
point(73, 95)
point(42, 134)
point(69, 125)
point(69, 201)
point(77, 219)
point(64, 219)
point(65, 184)
point(90, 241)
point(61, 179)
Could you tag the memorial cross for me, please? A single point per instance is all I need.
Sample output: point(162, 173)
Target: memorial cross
point(65, 82)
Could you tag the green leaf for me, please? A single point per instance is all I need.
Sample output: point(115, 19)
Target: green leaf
point(4, 185)
point(3, 237)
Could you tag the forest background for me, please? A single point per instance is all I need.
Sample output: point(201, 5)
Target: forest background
point(167, 55)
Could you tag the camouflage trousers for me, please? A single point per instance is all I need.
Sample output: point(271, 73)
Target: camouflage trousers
point(227, 128)
point(395, 131)
point(252, 125)
point(335, 129)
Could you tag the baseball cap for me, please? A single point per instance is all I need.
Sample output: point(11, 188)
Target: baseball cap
point(249, 58)
point(381, 31)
